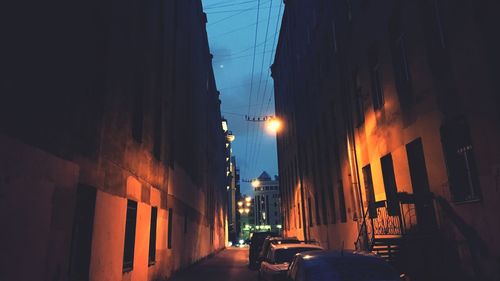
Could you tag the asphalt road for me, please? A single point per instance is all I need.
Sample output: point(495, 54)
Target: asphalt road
point(230, 264)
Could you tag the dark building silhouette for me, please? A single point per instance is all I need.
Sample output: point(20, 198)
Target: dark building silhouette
point(392, 130)
point(112, 154)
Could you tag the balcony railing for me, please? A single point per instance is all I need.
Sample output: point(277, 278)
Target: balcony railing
point(378, 221)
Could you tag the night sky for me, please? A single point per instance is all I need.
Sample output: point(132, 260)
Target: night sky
point(234, 38)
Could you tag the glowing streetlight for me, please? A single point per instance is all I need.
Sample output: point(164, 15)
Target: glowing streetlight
point(240, 204)
point(255, 183)
point(273, 125)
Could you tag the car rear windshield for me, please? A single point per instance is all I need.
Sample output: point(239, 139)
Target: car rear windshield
point(352, 270)
point(286, 255)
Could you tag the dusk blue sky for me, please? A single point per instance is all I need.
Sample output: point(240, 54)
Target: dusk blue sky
point(232, 32)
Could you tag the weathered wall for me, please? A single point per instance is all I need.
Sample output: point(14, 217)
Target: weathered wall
point(37, 198)
point(323, 83)
point(120, 99)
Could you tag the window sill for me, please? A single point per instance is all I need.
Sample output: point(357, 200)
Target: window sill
point(151, 263)
point(127, 269)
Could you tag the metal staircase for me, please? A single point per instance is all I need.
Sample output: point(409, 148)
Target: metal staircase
point(383, 232)
point(387, 248)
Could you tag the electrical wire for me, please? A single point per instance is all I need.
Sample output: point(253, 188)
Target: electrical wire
point(236, 14)
point(232, 31)
point(251, 77)
point(260, 78)
point(216, 6)
point(240, 57)
point(233, 11)
point(265, 86)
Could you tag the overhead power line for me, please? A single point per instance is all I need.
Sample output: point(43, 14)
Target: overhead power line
point(234, 11)
point(221, 5)
point(232, 31)
point(251, 77)
point(236, 14)
point(265, 86)
point(260, 75)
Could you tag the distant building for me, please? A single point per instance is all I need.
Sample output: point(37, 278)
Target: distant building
point(267, 203)
point(112, 160)
point(233, 192)
point(247, 217)
point(393, 130)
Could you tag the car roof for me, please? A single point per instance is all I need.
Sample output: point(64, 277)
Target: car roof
point(301, 245)
point(312, 258)
point(263, 234)
point(283, 238)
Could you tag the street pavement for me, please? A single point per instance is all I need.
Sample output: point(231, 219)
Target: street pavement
point(230, 264)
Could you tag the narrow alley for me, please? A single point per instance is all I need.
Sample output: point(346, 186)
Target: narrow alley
point(239, 140)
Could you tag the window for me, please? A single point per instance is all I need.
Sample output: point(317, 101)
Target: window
point(128, 249)
point(152, 236)
point(358, 99)
point(324, 210)
point(401, 70)
point(81, 243)
point(318, 217)
point(402, 77)
point(391, 191)
point(370, 194)
point(169, 231)
point(349, 9)
point(334, 35)
point(309, 211)
point(376, 78)
point(460, 161)
point(439, 22)
point(343, 211)
point(332, 203)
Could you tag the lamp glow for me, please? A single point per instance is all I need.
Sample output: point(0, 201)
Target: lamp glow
point(255, 183)
point(273, 125)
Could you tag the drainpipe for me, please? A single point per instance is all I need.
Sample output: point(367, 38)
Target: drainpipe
point(353, 153)
point(305, 227)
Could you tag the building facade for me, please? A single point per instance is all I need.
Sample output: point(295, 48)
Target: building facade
point(247, 217)
point(233, 192)
point(391, 130)
point(112, 157)
point(267, 204)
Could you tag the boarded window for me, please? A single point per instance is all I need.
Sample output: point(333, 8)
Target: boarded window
point(169, 231)
point(128, 249)
point(81, 243)
point(152, 235)
point(391, 191)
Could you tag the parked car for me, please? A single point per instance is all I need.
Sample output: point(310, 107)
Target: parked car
point(273, 241)
point(279, 256)
point(340, 266)
point(256, 241)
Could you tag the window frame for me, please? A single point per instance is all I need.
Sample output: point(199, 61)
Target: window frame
point(153, 228)
point(129, 237)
